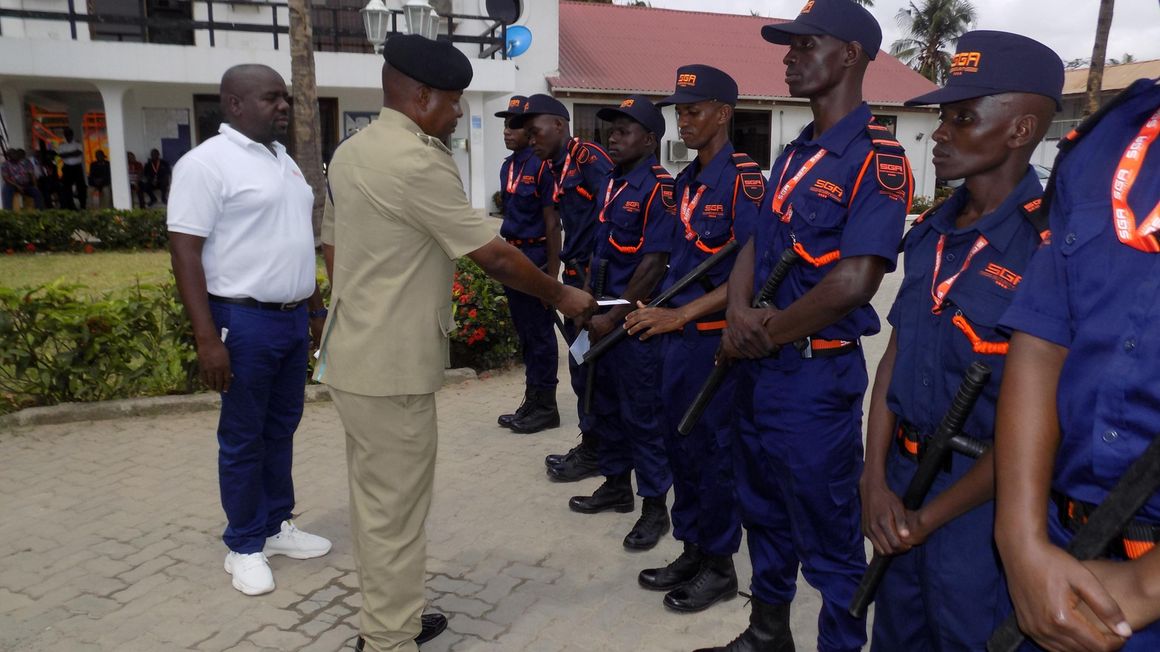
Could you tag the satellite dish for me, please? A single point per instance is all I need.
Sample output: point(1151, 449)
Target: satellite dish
point(519, 39)
point(504, 11)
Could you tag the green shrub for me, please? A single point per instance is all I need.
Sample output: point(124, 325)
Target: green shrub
point(62, 230)
point(484, 337)
point(57, 345)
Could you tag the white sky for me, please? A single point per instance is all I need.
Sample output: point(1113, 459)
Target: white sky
point(1067, 26)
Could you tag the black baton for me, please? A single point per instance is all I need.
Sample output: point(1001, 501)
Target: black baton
point(694, 275)
point(708, 390)
point(598, 292)
point(1104, 525)
point(931, 465)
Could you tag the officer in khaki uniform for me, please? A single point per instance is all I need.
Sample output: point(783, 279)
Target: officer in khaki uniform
point(397, 219)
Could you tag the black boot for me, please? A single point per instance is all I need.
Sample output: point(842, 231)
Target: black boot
point(581, 462)
point(541, 415)
point(433, 625)
point(650, 527)
point(614, 494)
point(681, 570)
point(716, 581)
point(768, 631)
point(554, 459)
point(506, 420)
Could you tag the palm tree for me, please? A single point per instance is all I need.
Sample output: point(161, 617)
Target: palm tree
point(1095, 80)
point(932, 30)
point(307, 128)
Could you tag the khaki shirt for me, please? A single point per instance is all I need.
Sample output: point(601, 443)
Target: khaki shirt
point(398, 218)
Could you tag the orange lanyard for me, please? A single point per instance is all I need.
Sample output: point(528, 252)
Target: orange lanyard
point(939, 291)
point(609, 197)
point(559, 189)
point(1123, 218)
point(786, 190)
point(687, 208)
point(513, 182)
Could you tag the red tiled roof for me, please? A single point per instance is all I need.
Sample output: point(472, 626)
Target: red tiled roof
point(618, 49)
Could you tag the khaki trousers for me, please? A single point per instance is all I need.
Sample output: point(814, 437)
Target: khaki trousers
point(390, 455)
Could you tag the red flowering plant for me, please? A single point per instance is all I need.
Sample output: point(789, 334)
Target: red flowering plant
point(484, 337)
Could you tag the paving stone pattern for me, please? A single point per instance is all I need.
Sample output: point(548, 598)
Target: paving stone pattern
point(112, 542)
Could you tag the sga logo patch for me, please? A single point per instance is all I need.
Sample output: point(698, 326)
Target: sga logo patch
point(686, 79)
point(965, 62)
point(891, 171)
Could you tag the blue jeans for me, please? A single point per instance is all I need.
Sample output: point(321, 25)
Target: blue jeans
point(9, 194)
point(268, 355)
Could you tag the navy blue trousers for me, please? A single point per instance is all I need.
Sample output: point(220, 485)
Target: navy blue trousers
point(578, 374)
point(536, 329)
point(626, 413)
point(798, 458)
point(705, 510)
point(947, 594)
point(268, 354)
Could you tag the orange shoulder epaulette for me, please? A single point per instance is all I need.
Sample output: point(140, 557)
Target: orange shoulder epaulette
point(752, 180)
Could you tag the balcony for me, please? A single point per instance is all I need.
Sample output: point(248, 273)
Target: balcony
point(337, 24)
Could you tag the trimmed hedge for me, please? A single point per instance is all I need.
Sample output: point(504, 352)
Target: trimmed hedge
point(63, 230)
point(58, 344)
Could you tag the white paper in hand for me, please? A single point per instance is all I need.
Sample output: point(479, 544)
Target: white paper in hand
point(612, 302)
point(579, 347)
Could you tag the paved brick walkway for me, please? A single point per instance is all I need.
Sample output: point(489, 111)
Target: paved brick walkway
point(111, 542)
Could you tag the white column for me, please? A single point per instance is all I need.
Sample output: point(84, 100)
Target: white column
point(478, 191)
point(113, 95)
point(13, 101)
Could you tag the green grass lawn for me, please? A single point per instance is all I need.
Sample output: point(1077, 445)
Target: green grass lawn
point(100, 272)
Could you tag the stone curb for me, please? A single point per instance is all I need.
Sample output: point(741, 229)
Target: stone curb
point(180, 404)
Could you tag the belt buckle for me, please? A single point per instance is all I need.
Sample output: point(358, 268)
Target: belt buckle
point(288, 306)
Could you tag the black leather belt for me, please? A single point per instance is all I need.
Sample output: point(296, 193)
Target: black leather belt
point(254, 303)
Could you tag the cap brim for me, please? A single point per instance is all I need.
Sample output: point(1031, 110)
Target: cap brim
point(960, 93)
point(608, 114)
point(780, 33)
point(505, 114)
point(683, 97)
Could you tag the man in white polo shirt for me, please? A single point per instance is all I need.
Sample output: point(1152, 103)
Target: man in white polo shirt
point(72, 178)
point(243, 254)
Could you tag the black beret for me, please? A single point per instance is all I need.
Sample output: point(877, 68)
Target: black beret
point(438, 64)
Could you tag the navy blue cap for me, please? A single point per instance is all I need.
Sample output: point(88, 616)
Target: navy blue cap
point(698, 82)
point(639, 108)
point(988, 63)
point(539, 104)
point(515, 107)
point(842, 19)
point(437, 64)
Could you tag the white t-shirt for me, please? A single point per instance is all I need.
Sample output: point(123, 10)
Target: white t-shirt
point(253, 207)
point(71, 153)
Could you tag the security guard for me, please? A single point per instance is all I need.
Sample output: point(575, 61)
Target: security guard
point(1081, 397)
point(838, 196)
point(531, 224)
point(717, 191)
point(580, 170)
point(397, 218)
point(635, 219)
point(964, 260)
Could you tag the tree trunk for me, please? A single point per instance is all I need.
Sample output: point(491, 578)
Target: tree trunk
point(307, 136)
point(1095, 79)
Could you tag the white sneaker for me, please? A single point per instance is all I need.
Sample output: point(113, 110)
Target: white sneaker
point(295, 543)
point(251, 572)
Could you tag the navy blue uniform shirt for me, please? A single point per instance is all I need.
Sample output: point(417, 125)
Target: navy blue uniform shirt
point(580, 173)
point(526, 188)
point(1100, 298)
point(852, 202)
point(635, 218)
point(714, 217)
point(933, 351)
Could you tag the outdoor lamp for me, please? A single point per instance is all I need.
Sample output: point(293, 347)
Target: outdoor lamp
point(421, 18)
point(376, 20)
